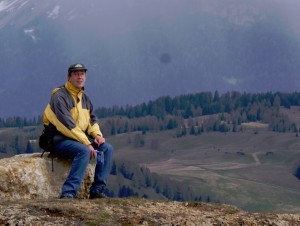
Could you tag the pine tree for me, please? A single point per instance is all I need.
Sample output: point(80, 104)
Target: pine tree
point(29, 148)
point(113, 168)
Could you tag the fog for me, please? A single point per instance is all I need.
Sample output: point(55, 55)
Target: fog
point(139, 50)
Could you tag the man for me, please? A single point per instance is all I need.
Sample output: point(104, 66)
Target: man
point(76, 134)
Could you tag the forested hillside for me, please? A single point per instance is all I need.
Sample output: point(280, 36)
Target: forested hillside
point(223, 113)
point(188, 114)
point(170, 112)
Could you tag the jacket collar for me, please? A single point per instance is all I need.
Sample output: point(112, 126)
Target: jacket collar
point(73, 90)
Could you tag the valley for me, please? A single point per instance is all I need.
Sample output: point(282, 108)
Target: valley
point(253, 169)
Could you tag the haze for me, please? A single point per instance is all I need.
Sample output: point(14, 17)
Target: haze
point(140, 50)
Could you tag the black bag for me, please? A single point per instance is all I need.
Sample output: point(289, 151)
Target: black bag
point(46, 141)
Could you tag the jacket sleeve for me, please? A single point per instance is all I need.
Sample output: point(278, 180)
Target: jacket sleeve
point(58, 112)
point(93, 129)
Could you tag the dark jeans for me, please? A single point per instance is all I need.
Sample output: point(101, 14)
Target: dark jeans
point(81, 154)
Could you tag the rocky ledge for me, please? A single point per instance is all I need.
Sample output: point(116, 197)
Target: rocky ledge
point(130, 211)
point(29, 191)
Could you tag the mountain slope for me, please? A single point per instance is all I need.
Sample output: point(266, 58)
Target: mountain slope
point(136, 51)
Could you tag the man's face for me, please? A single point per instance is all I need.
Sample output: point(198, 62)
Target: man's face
point(77, 78)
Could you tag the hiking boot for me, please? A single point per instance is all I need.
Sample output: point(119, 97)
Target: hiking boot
point(66, 196)
point(98, 195)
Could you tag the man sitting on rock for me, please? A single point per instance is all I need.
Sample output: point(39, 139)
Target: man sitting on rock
point(76, 134)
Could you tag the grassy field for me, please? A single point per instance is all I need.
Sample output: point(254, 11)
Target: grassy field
point(251, 169)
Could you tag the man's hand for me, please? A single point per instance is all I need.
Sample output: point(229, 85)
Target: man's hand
point(93, 152)
point(99, 140)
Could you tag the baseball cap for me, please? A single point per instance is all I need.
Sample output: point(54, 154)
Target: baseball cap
point(76, 67)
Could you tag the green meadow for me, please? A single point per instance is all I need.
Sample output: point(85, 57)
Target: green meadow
point(253, 169)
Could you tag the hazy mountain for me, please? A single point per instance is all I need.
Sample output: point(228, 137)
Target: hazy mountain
point(140, 50)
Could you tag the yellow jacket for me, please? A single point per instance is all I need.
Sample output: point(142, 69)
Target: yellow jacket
point(70, 111)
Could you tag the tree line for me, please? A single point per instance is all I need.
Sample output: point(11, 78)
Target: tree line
point(20, 122)
point(202, 112)
point(225, 113)
point(204, 103)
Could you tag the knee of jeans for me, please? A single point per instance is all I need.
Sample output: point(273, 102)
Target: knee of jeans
point(85, 151)
point(108, 147)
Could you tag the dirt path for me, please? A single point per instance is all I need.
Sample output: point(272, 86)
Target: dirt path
point(256, 159)
point(174, 164)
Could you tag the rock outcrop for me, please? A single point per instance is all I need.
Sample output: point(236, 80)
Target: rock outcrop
point(28, 176)
point(29, 192)
point(133, 211)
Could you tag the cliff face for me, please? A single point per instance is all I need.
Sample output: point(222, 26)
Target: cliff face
point(29, 193)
